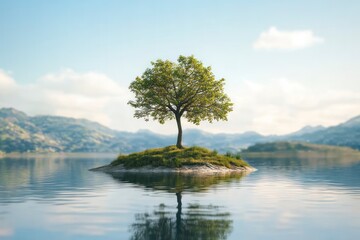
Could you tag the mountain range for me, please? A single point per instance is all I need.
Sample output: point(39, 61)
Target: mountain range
point(22, 133)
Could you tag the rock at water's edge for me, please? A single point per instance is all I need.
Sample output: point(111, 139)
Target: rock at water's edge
point(192, 169)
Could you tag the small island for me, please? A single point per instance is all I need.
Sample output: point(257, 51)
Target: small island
point(167, 91)
point(172, 159)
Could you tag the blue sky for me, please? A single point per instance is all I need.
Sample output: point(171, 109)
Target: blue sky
point(69, 42)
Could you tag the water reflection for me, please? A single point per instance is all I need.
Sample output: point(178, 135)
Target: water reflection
point(193, 222)
point(177, 182)
point(45, 177)
point(313, 168)
point(287, 198)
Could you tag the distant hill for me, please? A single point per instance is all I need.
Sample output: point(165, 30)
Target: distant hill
point(222, 142)
point(345, 134)
point(22, 133)
point(306, 130)
point(292, 147)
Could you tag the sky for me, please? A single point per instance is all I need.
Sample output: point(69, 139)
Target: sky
point(287, 64)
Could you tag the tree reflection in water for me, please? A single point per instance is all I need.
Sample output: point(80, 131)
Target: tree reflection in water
point(196, 222)
point(177, 182)
point(191, 222)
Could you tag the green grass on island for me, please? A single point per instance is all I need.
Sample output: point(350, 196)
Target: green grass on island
point(173, 157)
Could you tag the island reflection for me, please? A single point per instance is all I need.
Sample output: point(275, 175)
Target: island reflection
point(194, 221)
point(178, 182)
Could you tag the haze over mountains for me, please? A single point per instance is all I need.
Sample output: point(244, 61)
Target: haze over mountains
point(22, 133)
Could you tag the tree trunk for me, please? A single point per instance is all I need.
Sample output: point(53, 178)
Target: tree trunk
point(179, 138)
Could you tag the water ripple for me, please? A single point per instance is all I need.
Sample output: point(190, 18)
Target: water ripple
point(60, 198)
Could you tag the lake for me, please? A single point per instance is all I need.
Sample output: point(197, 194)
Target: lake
point(56, 197)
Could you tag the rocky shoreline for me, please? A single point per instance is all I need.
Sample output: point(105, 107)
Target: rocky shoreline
point(188, 169)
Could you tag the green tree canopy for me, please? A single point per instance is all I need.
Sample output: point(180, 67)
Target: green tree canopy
point(186, 89)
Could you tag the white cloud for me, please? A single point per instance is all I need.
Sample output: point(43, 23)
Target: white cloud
point(286, 40)
point(68, 93)
point(90, 84)
point(274, 107)
point(7, 84)
point(282, 106)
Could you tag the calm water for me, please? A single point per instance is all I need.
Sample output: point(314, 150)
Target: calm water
point(287, 198)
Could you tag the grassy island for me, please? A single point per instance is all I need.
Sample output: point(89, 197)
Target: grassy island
point(173, 157)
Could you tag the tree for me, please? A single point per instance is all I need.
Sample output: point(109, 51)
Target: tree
point(186, 89)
